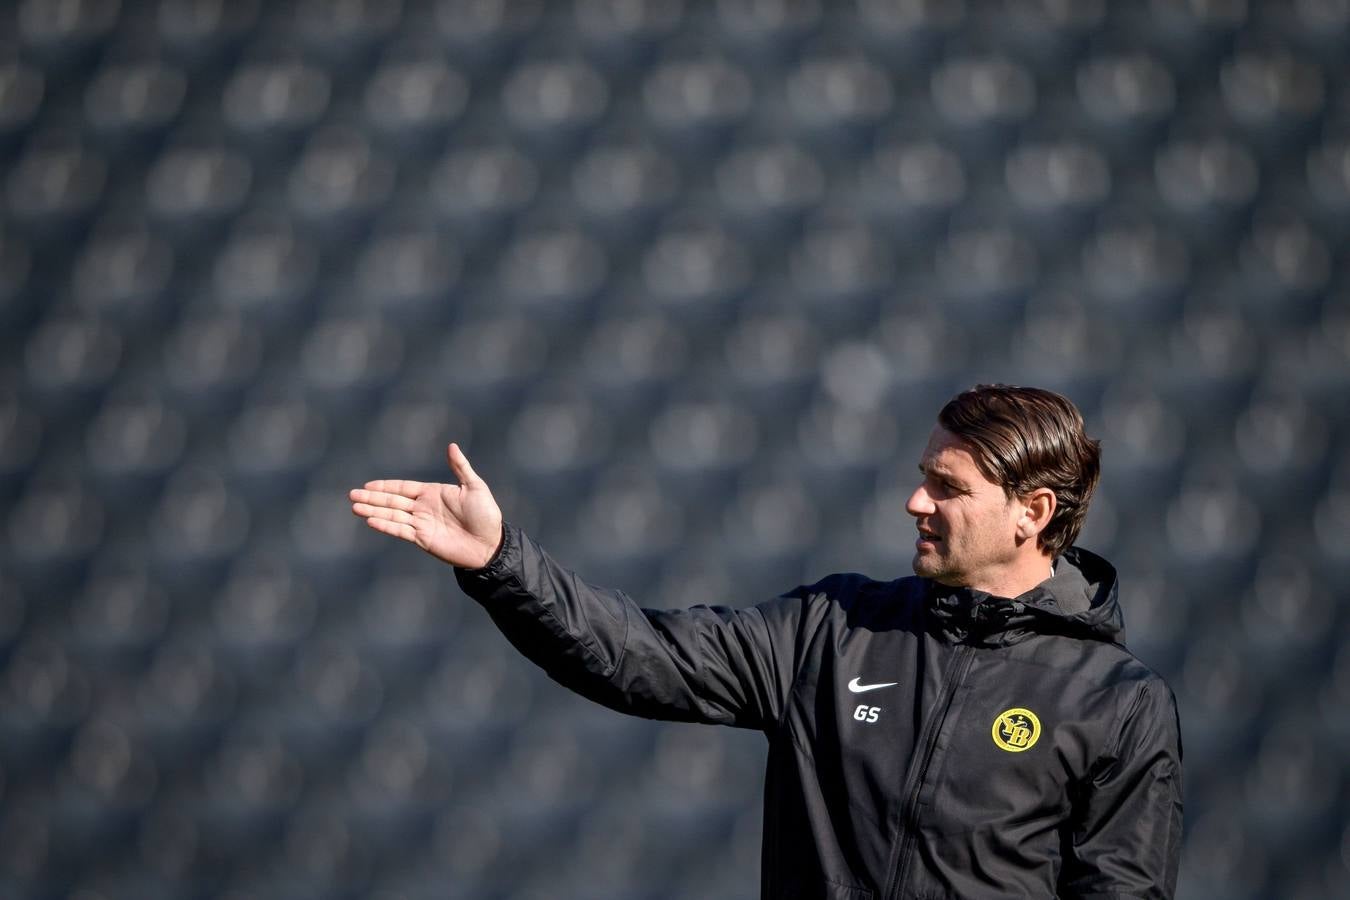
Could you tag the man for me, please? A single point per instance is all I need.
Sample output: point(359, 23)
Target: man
point(976, 730)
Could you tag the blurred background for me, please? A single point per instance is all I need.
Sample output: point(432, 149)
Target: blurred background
point(690, 282)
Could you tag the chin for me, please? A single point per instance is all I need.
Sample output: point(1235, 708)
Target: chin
point(927, 567)
point(933, 569)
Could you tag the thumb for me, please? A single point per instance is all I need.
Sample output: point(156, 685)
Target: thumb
point(459, 464)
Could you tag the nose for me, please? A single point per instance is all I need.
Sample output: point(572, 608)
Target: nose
point(919, 503)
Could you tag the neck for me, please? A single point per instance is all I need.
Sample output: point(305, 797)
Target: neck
point(1016, 580)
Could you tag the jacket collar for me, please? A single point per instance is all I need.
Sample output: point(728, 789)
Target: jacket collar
point(1080, 599)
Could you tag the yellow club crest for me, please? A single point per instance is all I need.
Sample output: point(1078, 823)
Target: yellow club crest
point(1016, 729)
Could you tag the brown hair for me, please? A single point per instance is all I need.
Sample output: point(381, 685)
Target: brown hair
point(1028, 438)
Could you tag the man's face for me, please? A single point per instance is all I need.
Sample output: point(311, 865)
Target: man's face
point(967, 524)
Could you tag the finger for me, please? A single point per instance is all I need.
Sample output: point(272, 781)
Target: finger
point(366, 511)
point(459, 463)
point(409, 489)
point(381, 499)
point(385, 526)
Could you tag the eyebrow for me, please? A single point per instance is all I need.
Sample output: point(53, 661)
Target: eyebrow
point(943, 473)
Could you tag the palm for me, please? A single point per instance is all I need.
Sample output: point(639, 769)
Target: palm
point(456, 523)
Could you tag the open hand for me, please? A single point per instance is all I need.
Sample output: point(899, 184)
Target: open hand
point(457, 523)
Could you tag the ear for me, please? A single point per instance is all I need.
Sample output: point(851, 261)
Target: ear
point(1038, 508)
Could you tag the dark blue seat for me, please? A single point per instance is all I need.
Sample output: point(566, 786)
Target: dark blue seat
point(700, 442)
point(622, 185)
point(481, 183)
point(1286, 265)
point(124, 273)
point(1213, 526)
point(768, 528)
point(1328, 180)
point(185, 699)
point(274, 444)
point(767, 186)
point(208, 362)
point(348, 35)
point(1282, 445)
point(695, 96)
point(51, 693)
point(266, 270)
point(1057, 185)
point(263, 614)
point(1289, 804)
point(1134, 272)
point(49, 32)
point(1207, 182)
point(485, 35)
point(409, 432)
point(986, 271)
point(476, 697)
point(1191, 37)
point(324, 701)
point(249, 786)
point(837, 98)
point(1147, 439)
point(1206, 365)
point(632, 359)
point(55, 528)
point(413, 98)
point(133, 445)
point(120, 615)
point(621, 35)
point(111, 780)
point(1331, 517)
point(841, 447)
point(907, 36)
point(54, 187)
point(347, 360)
point(1126, 96)
point(23, 87)
point(625, 527)
point(838, 271)
point(980, 98)
point(1274, 94)
point(197, 32)
point(330, 545)
point(1219, 853)
point(194, 187)
point(1049, 37)
point(339, 184)
point(551, 272)
point(909, 184)
point(129, 104)
point(410, 274)
point(770, 360)
point(270, 105)
point(767, 32)
point(1287, 615)
point(557, 441)
point(552, 100)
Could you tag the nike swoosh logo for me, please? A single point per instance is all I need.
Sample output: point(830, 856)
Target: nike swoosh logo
point(856, 687)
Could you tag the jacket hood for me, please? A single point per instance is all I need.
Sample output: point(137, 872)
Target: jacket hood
point(1080, 600)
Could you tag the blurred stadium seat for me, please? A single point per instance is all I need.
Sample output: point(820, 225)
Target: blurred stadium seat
point(689, 282)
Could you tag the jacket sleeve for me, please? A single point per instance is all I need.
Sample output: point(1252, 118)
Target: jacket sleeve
point(705, 664)
point(1126, 837)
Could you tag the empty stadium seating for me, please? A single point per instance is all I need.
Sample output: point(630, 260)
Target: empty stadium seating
point(689, 281)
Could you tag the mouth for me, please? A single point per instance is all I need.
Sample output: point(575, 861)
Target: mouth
point(927, 537)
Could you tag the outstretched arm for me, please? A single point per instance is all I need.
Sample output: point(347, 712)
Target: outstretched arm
point(709, 664)
point(460, 524)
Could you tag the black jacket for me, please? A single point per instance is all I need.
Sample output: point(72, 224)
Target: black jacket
point(924, 742)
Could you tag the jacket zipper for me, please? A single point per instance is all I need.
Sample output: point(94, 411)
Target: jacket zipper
point(909, 819)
